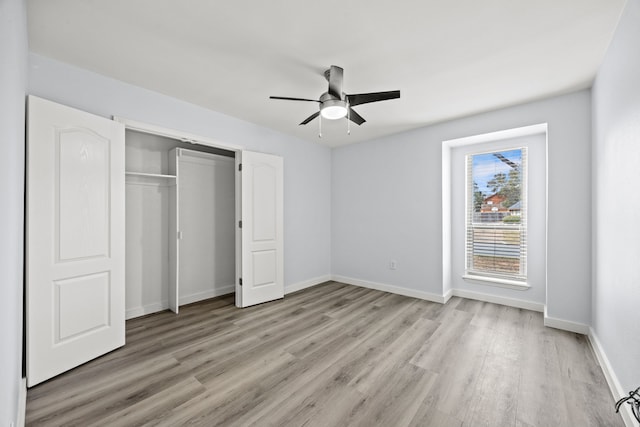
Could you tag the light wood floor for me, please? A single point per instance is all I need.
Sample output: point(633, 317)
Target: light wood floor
point(335, 355)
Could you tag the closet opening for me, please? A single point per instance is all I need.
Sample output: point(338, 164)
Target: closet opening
point(180, 222)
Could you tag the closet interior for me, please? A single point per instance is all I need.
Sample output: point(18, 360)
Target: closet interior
point(180, 223)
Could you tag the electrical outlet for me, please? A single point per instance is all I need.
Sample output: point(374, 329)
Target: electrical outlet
point(393, 264)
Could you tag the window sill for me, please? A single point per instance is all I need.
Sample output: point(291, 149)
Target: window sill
point(493, 281)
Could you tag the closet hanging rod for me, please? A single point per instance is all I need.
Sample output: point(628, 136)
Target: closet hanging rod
point(150, 175)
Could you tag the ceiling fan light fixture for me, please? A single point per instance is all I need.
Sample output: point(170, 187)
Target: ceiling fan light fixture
point(333, 109)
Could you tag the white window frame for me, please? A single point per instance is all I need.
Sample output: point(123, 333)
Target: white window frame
point(498, 278)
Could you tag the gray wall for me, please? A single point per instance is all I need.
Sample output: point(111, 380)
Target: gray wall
point(13, 57)
point(387, 193)
point(307, 166)
point(616, 186)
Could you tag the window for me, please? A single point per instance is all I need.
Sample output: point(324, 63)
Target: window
point(496, 229)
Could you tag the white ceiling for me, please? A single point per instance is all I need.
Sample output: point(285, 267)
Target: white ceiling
point(449, 58)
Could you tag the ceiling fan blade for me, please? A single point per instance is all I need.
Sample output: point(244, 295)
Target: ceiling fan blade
point(335, 81)
point(286, 98)
point(365, 98)
point(311, 117)
point(355, 117)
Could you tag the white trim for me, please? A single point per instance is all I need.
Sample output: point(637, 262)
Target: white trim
point(447, 262)
point(211, 293)
point(22, 403)
point(494, 281)
point(175, 134)
point(391, 289)
point(447, 296)
point(616, 389)
point(497, 136)
point(184, 300)
point(229, 289)
point(565, 325)
point(442, 299)
point(511, 302)
point(146, 309)
point(295, 287)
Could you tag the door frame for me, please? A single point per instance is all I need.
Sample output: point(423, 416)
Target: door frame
point(210, 142)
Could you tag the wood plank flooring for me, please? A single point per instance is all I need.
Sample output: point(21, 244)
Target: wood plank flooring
point(335, 355)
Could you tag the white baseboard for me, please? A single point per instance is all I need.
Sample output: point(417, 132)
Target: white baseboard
point(447, 295)
point(391, 289)
point(442, 299)
point(565, 325)
point(511, 302)
point(211, 293)
point(294, 287)
point(146, 309)
point(22, 403)
point(612, 380)
point(184, 299)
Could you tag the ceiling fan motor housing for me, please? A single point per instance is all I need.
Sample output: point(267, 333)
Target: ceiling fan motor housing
point(328, 97)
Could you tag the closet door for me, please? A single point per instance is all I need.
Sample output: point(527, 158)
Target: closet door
point(75, 291)
point(262, 229)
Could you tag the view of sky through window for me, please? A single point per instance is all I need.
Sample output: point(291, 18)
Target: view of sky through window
point(487, 166)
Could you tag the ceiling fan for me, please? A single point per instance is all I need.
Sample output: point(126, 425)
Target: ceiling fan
point(335, 104)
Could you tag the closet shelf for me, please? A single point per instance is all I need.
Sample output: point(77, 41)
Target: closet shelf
point(150, 175)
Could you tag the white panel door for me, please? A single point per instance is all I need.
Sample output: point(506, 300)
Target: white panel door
point(262, 229)
point(75, 294)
